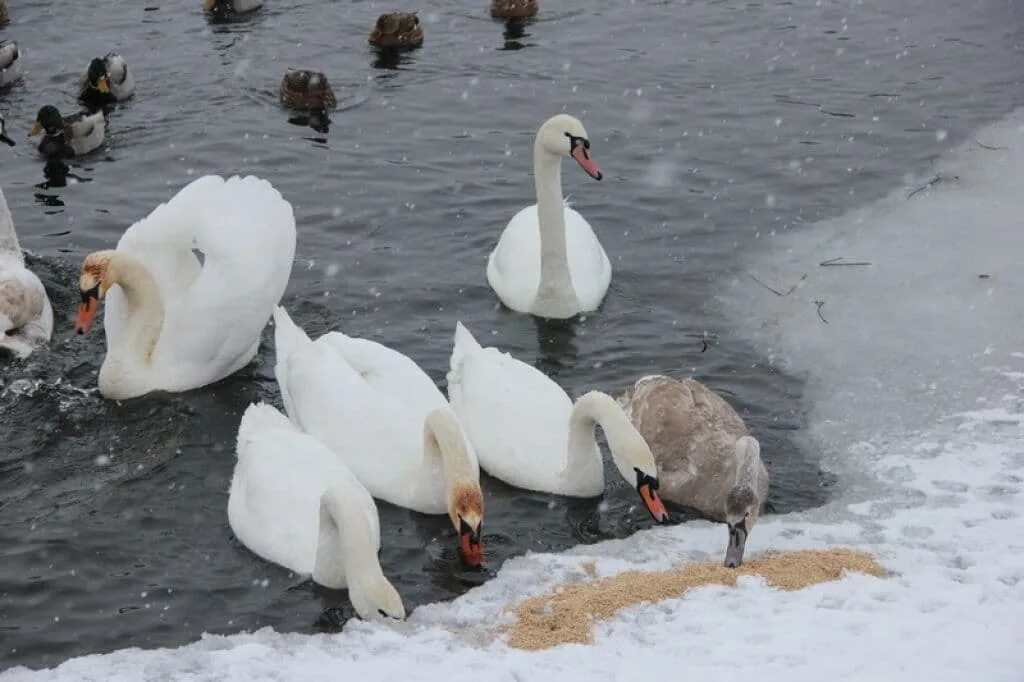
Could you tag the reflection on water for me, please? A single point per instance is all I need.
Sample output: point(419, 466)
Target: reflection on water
point(515, 31)
point(317, 120)
point(393, 58)
point(556, 351)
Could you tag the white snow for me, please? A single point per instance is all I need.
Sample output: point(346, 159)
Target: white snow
point(916, 398)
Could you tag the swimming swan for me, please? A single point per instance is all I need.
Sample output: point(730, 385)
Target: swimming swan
point(174, 323)
point(707, 459)
point(386, 419)
point(548, 261)
point(293, 502)
point(528, 433)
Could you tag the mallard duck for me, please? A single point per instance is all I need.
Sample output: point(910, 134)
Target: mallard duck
point(108, 80)
point(514, 9)
point(397, 29)
point(225, 9)
point(73, 135)
point(4, 19)
point(306, 90)
point(10, 63)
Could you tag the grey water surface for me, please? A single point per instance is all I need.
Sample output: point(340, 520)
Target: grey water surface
point(716, 123)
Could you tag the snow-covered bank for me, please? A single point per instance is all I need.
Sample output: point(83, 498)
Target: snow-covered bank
point(916, 391)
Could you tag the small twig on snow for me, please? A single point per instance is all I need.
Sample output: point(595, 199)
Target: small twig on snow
point(988, 146)
point(820, 304)
point(776, 291)
point(841, 261)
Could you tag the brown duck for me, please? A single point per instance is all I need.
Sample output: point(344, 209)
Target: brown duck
point(397, 29)
point(306, 91)
point(514, 9)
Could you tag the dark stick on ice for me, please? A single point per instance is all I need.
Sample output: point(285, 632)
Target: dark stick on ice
point(988, 146)
point(820, 304)
point(841, 261)
point(934, 181)
point(776, 291)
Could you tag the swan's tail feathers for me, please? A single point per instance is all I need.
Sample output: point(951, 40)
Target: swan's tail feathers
point(464, 343)
point(261, 417)
point(288, 336)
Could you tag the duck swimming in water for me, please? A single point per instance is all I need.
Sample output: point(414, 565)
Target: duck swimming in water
point(397, 29)
point(107, 81)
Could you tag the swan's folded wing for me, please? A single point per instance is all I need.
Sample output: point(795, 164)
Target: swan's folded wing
point(589, 266)
point(513, 269)
point(516, 418)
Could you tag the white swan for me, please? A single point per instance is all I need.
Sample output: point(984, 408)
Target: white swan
point(385, 417)
point(26, 318)
point(174, 323)
point(293, 502)
point(528, 433)
point(707, 459)
point(548, 261)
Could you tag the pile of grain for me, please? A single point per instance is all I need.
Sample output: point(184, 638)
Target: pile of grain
point(568, 615)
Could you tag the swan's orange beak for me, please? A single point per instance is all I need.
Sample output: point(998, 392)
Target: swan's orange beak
point(653, 502)
point(471, 544)
point(581, 153)
point(86, 311)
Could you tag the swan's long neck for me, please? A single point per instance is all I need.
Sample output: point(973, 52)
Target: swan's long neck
point(346, 552)
point(8, 237)
point(599, 409)
point(145, 314)
point(748, 462)
point(555, 289)
point(443, 439)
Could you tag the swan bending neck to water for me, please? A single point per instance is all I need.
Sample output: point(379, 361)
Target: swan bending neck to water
point(387, 420)
point(293, 502)
point(527, 432)
point(548, 261)
point(707, 459)
point(173, 322)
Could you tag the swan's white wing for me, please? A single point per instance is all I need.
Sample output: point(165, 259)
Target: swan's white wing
point(368, 403)
point(274, 503)
point(513, 269)
point(589, 266)
point(213, 314)
point(515, 416)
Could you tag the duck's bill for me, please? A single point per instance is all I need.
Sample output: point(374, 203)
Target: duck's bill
point(737, 542)
point(582, 156)
point(103, 85)
point(472, 548)
point(6, 140)
point(653, 503)
point(36, 129)
point(86, 312)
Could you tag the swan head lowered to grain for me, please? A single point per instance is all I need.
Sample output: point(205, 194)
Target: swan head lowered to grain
point(564, 135)
point(742, 503)
point(444, 441)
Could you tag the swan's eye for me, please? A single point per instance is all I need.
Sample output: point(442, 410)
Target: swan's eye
point(383, 613)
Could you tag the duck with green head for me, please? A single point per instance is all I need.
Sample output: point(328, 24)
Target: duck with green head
point(73, 135)
point(107, 80)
